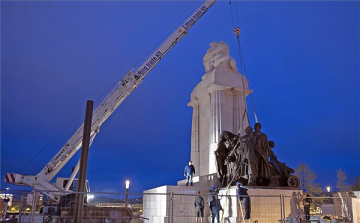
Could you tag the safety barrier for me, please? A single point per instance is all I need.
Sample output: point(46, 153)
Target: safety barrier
point(179, 208)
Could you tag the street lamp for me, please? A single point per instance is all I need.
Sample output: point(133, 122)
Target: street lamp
point(6, 200)
point(127, 185)
point(90, 197)
point(328, 190)
point(6, 189)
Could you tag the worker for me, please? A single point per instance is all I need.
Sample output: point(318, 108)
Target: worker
point(189, 172)
point(306, 200)
point(243, 196)
point(214, 204)
point(199, 205)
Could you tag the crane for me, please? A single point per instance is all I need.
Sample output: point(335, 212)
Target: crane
point(125, 86)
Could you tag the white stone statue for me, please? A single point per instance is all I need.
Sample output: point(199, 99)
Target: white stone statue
point(218, 56)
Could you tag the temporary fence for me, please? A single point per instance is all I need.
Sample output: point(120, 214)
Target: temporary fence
point(324, 209)
point(179, 208)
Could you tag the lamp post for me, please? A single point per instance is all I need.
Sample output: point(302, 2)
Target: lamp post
point(6, 200)
point(127, 185)
point(6, 189)
point(328, 189)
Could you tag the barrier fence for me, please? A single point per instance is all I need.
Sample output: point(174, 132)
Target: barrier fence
point(179, 208)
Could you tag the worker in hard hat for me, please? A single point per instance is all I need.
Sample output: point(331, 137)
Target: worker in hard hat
point(214, 204)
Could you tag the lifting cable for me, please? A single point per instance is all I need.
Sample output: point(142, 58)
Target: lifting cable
point(242, 69)
point(241, 57)
point(237, 32)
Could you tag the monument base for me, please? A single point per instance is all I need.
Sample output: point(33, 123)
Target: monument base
point(176, 203)
point(267, 204)
point(165, 204)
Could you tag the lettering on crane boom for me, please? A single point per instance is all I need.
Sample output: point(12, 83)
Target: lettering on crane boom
point(151, 62)
point(195, 17)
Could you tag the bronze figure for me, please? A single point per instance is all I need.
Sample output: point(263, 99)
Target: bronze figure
point(250, 160)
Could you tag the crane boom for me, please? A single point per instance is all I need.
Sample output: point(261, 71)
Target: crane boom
point(122, 90)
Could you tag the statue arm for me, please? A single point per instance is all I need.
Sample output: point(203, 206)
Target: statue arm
point(265, 145)
point(235, 147)
point(273, 158)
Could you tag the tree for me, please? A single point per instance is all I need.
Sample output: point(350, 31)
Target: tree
point(356, 184)
point(307, 177)
point(341, 184)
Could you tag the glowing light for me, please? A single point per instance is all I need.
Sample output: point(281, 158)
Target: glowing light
point(328, 189)
point(127, 184)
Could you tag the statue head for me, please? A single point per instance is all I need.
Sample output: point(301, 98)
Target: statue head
point(218, 56)
point(257, 127)
point(226, 135)
point(227, 144)
point(219, 47)
point(271, 144)
point(248, 130)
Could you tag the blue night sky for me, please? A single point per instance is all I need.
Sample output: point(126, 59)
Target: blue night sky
point(302, 60)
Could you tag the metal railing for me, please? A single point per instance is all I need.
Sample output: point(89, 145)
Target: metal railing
point(179, 208)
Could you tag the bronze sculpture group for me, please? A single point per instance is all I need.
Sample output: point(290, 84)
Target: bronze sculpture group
point(249, 159)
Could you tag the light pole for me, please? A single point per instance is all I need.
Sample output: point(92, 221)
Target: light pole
point(6, 189)
point(127, 185)
point(6, 200)
point(328, 189)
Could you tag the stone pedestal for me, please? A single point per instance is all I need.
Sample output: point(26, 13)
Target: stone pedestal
point(175, 204)
point(219, 104)
point(267, 204)
point(165, 205)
